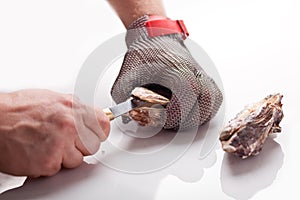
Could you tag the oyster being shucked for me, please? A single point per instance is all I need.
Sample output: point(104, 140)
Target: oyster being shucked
point(152, 113)
point(149, 96)
point(245, 135)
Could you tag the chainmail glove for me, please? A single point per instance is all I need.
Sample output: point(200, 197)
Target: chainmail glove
point(165, 61)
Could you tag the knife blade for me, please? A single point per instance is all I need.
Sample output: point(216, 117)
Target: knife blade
point(122, 108)
point(140, 96)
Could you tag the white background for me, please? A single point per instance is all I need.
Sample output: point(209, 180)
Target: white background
point(254, 44)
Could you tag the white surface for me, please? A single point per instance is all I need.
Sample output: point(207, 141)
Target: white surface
point(8, 182)
point(255, 45)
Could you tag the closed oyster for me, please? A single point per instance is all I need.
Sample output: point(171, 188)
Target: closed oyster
point(245, 135)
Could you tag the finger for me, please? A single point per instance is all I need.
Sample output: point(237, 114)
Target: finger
point(72, 158)
point(104, 123)
point(87, 142)
point(97, 122)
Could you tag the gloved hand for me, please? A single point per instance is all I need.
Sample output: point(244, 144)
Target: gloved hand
point(165, 61)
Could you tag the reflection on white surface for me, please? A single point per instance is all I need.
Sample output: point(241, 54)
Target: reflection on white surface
point(156, 149)
point(98, 181)
point(241, 179)
point(8, 182)
point(186, 158)
point(256, 54)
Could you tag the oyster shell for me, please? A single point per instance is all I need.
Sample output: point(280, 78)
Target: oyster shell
point(245, 135)
point(151, 113)
point(149, 96)
point(149, 116)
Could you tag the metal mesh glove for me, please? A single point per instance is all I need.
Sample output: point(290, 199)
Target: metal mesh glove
point(165, 61)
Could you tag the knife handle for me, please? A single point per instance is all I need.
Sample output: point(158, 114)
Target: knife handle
point(109, 114)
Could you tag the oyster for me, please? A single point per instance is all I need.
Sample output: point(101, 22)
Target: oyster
point(149, 116)
point(152, 113)
point(245, 135)
point(149, 96)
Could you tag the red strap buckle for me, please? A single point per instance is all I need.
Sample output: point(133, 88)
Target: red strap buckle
point(164, 26)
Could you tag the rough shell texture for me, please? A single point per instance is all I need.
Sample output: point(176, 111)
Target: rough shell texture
point(149, 96)
point(151, 113)
point(245, 135)
point(149, 116)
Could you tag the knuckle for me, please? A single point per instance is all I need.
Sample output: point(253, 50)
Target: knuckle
point(67, 100)
point(51, 166)
point(67, 124)
point(72, 161)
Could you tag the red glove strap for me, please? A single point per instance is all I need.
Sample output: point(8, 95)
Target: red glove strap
point(158, 26)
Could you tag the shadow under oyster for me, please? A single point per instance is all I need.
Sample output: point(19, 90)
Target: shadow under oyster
point(245, 135)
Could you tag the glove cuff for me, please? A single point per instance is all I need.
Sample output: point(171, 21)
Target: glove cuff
point(149, 26)
point(139, 22)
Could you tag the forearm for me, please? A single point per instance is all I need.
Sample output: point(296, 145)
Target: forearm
point(130, 10)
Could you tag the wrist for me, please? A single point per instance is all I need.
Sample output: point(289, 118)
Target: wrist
point(150, 26)
point(5, 102)
point(131, 10)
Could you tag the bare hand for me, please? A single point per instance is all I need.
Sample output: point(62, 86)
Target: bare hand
point(41, 131)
